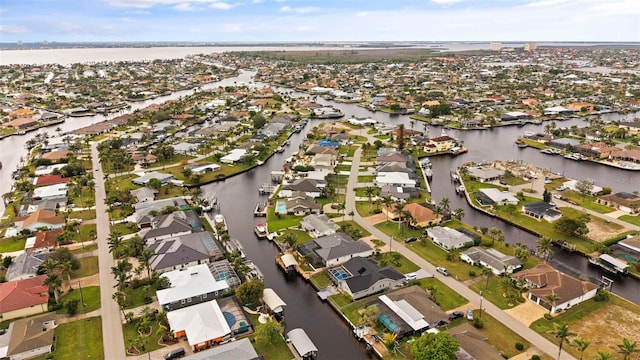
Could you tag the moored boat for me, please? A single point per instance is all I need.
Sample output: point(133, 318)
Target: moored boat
point(261, 231)
point(220, 222)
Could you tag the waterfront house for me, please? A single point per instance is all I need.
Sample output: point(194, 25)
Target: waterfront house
point(334, 249)
point(323, 161)
point(310, 187)
point(542, 211)
point(408, 311)
point(204, 325)
point(440, 144)
point(360, 277)
point(571, 184)
point(544, 280)
point(564, 143)
point(20, 123)
point(24, 297)
point(233, 156)
point(29, 338)
point(223, 270)
point(632, 156)
point(399, 179)
point(50, 191)
point(498, 262)
point(190, 287)
point(174, 224)
point(485, 174)
point(319, 225)
point(237, 350)
point(624, 201)
point(47, 180)
point(597, 150)
point(209, 241)
point(300, 204)
point(493, 196)
point(202, 169)
point(172, 254)
point(146, 177)
point(142, 210)
point(631, 245)
point(39, 219)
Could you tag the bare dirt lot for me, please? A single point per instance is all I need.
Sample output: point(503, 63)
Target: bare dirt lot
point(601, 231)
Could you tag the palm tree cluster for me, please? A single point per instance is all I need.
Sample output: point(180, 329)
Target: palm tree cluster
point(58, 265)
point(561, 331)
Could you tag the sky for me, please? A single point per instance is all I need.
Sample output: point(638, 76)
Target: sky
point(319, 20)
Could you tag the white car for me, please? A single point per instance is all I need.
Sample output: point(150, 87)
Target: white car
point(442, 271)
point(557, 196)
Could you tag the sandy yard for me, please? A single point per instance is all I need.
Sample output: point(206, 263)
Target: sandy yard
point(527, 312)
point(601, 232)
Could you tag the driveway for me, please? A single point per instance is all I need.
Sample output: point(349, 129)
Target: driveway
point(527, 312)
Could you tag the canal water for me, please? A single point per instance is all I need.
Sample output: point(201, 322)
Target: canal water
point(239, 195)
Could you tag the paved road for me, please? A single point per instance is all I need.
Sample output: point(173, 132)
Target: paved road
point(112, 337)
point(516, 326)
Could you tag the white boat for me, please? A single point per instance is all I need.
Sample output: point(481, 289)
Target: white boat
point(234, 246)
point(261, 231)
point(253, 272)
point(220, 222)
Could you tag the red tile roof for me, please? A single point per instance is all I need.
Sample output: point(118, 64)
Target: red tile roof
point(22, 294)
point(45, 239)
point(51, 180)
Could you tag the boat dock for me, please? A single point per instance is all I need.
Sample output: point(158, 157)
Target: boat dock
point(260, 209)
point(266, 189)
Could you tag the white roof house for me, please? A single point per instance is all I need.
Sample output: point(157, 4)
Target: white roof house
point(571, 184)
point(201, 323)
point(361, 121)
point(395, 179)
point(406, 312)
point(233, 156)
point(448, 238)
point(189, 283)
point(46, 170)
point(145, 177)
point(205, 168)
point(498, 197)
point(50, 192)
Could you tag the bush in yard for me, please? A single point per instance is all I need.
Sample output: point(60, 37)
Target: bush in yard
point(535, 357)
point(72, 307)
point(602, 295)
point(548, 316)
point(472, 273)
point(519, 346)
point(477, 323)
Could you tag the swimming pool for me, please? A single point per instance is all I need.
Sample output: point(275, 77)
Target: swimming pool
point(339, 273)
point(627, 257)
point(281, 207)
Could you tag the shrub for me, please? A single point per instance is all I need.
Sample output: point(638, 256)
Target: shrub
point(72, 307)
point(519, 346)
point(548, 316)
point(477, 323)
point(377, 211)
point(472, 273)
point(602, 295)
point(535, 357)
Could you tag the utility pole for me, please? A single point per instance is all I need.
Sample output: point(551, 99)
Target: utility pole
point(480, 316)
point(81, 297)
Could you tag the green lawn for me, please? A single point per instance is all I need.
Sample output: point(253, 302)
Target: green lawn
point(81, 339)
point(135, 297)
point(634, 220)
point(321, 280)
point(435, 255)
point(494, 293)
point(500, 336)
point(90, 295)
point(352, 226)
point(276, 223)
point(364, 209)
point(88, 266)
point(403, 264)
point(274, 350)
point(12, 244)
point(84, 215)
point(301, 236)
point(587, 202)
point(446, 298)
point(124, 228)
point(130, 333)
point(86, 248)
point(391, 229)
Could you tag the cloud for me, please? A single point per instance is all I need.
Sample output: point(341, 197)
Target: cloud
point(13, 29)
point(546, 3)
point(362, 13)
point(232, 28)
point(300, 10)
point(127, 20)
point(221, 5)
point(184, 7)
point(67, 27)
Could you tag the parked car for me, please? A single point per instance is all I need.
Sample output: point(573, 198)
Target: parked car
point(557, 196)
point(410, 276)
point(442, 323)
point(442, 271)
point(455, 315)
point(470, 315)
point(410, 239)
point(174, 354)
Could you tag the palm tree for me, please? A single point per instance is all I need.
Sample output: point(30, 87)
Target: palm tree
point(121, 273)
point(551, 298)
point(627, 348)
point(289, 239)
point(387, 201)
point(341, 207)
point(445, 203)
point(397, 208)
point(544, 247)
point(495, 234)
point(486, 271)
point(49, 266)
point(66, 268)
point(582, 345)
point(115, 243)
point(369, 192)
point(54, 283)
point(603, 355)
point(561, 331)
point(121, 298)
point(458, 213)
point(145, 260)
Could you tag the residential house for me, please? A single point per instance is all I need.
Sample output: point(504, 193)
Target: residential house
point(448, 238)
point(542, 210)
point(143, 159)
point(310, 187)
point(56, 156)
point(399, 179)
point(233, 156)
point(440, 144)
point(190, 287)
point(398, 192)
point(571, 184)
point(323, 161)
point(319, 225)
point(421, 216)
point(146, 177)
point(202, 169)
point(23, 297)
point(40, 219)
point(142, 210)
point(597, 150)
point(202, 324)
point(272, 129)
point(631, 245)
point(493, 196)
point(627, 155)
point(543, 280)
point(25, 266)
point(473, 344)
point(223, 270)
point(300, 204)
point(29, 338)
point(174, 224)
point(408, 311)
point(49, 204)
point(334, 249)
point(236, 350)
point(484, 174)
point(20, 123)
point(144, 194)
point(46, 180)
point(50, 192)
point(498, 262)
point(627, 202)
point(172, 254)
point(44, 241)
point(360, 277)
point(564, 143)
point(209, 241)
point(319, 149)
